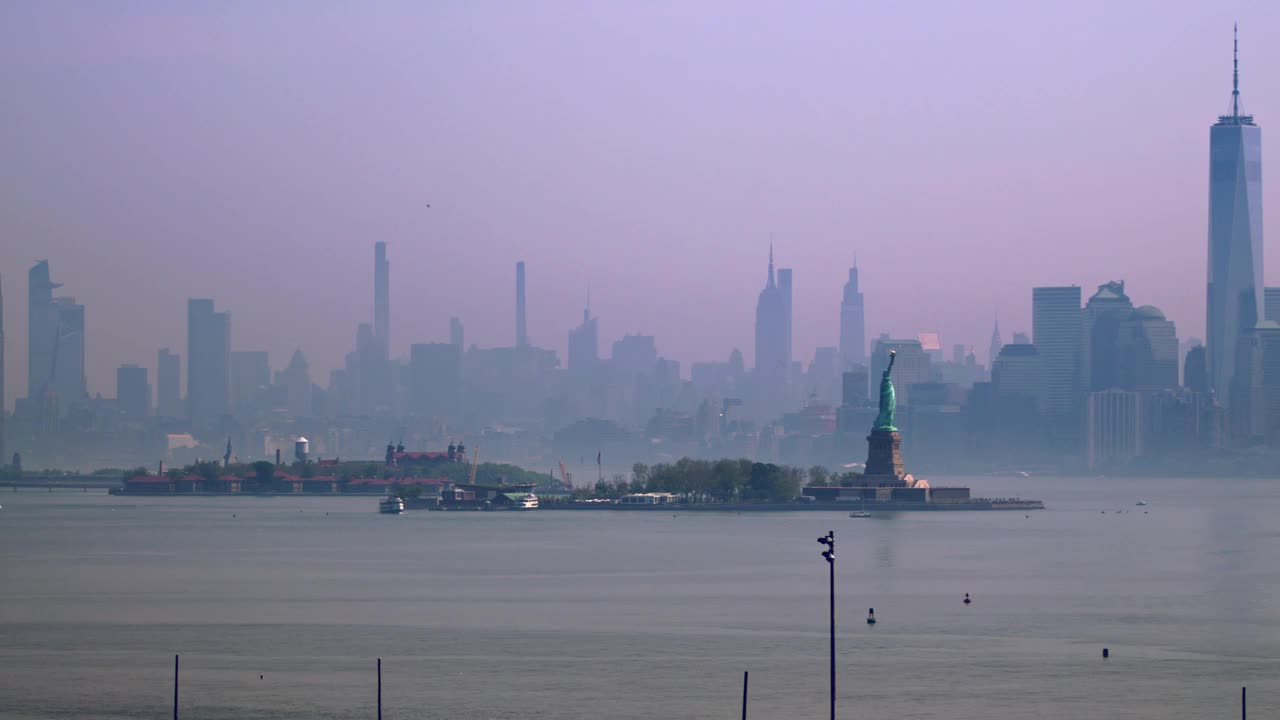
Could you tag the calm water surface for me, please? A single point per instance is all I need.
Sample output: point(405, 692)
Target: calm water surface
point(654, 615)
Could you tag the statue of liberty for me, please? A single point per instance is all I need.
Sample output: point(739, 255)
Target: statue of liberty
point(888, 399)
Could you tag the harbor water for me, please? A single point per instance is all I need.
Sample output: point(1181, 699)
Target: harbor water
point(280, 606)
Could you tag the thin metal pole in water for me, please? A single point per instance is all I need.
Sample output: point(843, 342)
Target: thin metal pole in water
point(833, 629)
point(1243, 706)
point(175, 687)
point(745, 676)
point(379, 688)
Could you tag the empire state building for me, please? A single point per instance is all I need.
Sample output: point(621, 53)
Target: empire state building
point(1235, 237)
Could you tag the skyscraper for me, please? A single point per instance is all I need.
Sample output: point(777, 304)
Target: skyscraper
point(1271, 303)
point(1019, 370)
point(1235, 236)
point(522, 338)
point(455, 332)
point(382, 298)
point(133, 394)
point(1104, 313)
point(435, 379)
point(296, 380)
point(584, 343)
point(42, 329)
point(1148, 350)
point(772, 360)
point(1056, 332)
point(208, 360)
point(993, 351)
point(250, 376)
point(784, 288)
point(853, 329)
point(168, 384)
point(67, 378)
point(1195, 373)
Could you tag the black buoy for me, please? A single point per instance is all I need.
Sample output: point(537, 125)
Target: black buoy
point(871, 616)
point(966, 599)
point(1106, 653)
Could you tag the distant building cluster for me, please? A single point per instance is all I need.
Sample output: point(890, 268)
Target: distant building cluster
point(1100, 382)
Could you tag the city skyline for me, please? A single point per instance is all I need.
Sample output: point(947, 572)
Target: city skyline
point(1180, 93)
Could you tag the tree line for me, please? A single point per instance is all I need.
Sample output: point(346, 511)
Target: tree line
point(723, 480)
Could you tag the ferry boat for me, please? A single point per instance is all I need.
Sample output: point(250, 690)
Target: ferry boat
point(391, 505)
point(528, 502)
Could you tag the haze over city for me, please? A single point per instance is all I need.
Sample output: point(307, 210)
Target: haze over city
point(253, 153)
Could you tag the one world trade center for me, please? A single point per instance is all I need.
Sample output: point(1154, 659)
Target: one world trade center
point(1235, 237)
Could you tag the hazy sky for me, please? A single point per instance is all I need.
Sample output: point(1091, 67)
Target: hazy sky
point(253, 152)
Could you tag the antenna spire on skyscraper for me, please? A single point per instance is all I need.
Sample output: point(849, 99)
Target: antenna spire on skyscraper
point(770, 259)
point(1235, 71)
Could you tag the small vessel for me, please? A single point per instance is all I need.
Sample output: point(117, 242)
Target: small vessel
point(861, 512)
point(528, 502)
point(391, 505)
point(966, 599)
point(871, 616)
point(1142, 503)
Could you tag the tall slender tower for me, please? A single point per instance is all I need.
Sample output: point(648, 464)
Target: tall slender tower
point(1235, 236)
point(208, 360)
point(42, 329)
point(382, 298)
point(771, 330)
point(522, 338)
point(784, 287)
point(455, 332)
point(853, 329)
point(1057, 332)
point(996, 344)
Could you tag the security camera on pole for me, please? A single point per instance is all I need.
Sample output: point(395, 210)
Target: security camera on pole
point(830, 555)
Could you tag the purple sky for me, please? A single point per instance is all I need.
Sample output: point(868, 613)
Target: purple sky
point(253, 152)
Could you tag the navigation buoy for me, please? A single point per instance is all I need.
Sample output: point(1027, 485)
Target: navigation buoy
point(966, 599)
point(871, 616)
point(1106, 653)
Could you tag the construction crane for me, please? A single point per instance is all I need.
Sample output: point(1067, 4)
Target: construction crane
point(564, 476)
point(475, 465)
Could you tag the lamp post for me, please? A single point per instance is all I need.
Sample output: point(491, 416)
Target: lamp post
point(830, 555)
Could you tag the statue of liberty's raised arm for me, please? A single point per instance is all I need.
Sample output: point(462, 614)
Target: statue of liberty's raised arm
point(888, 399)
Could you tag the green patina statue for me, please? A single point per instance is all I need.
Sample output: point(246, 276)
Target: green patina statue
point(888, 399)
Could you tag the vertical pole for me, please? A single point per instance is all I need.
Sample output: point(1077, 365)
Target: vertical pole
point(833, 626)
point(745, 676)
point(175, 687)
point(379, 688)
point(1243, 707)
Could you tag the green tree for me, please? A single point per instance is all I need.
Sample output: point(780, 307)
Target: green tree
point(726, 480)
point(818, 475)
point(639, 476)
point(264, 476)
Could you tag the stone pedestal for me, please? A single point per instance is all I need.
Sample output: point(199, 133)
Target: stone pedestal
point(884, 459)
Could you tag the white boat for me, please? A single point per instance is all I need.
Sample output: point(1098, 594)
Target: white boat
point(1142, 503)
point(861, 511)
point(391, 505)
point(528, 502)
